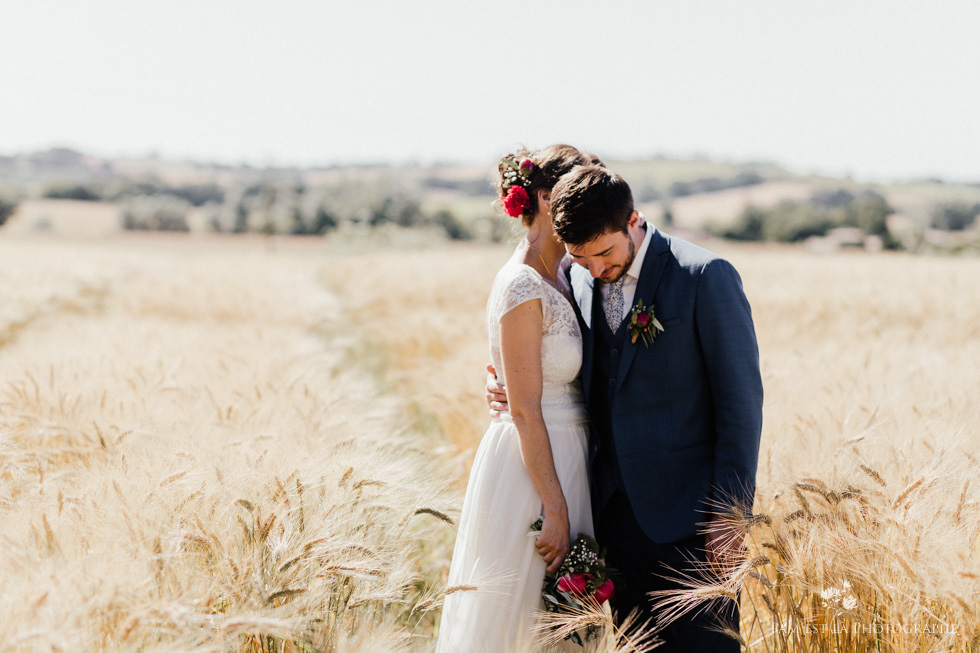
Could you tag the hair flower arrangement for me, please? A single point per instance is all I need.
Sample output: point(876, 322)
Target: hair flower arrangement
point(644, 325)
point(516, 201)
point(517, 179)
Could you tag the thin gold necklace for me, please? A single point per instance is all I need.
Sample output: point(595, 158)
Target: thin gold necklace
point(552, 280)
point(550, 274)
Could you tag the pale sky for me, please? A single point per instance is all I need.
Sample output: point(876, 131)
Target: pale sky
point(873, 88)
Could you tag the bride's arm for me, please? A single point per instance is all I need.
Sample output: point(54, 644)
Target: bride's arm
point(520, 347)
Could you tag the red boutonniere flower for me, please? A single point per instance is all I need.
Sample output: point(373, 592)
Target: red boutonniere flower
point(516, 201)
point(644, 325)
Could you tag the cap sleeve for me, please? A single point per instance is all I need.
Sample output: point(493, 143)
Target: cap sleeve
point(522, 284)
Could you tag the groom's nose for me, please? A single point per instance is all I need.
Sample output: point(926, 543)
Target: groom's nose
point(597, 269)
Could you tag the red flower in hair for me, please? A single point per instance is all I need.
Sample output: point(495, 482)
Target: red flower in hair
point(516, 201)
point(527, 165)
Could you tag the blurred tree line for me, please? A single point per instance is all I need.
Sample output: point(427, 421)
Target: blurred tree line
point(275, 206)
point(841, 212)
point(7, 207)
point(792, 221)
point(298, 209)
point(455, 201)
point(954, 216)
point(647, 190)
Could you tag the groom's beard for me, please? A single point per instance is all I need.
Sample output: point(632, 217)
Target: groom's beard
point(626, 266)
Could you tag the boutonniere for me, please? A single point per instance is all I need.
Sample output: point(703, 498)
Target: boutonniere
point(644, 325)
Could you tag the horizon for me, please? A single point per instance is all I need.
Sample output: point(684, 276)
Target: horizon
point(408, 163)
point(873, 92)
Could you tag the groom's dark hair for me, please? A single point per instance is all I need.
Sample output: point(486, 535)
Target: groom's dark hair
point(589, 201)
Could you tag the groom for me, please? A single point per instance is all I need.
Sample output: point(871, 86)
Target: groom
point(676, 420)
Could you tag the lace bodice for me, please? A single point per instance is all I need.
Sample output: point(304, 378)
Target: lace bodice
point(561, 339)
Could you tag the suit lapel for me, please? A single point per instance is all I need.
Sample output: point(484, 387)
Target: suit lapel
point(654, 264)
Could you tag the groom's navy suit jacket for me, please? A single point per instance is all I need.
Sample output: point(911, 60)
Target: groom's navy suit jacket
point(685, 414)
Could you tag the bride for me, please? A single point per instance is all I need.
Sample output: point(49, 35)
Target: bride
point(532, 461)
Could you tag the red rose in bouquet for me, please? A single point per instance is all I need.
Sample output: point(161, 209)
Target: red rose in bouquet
point(604, 593)
point(572, 583)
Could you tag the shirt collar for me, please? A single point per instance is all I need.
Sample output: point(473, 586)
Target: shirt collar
point(637, 265)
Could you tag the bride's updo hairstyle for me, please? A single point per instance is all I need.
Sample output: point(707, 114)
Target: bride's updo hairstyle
point(523, 173)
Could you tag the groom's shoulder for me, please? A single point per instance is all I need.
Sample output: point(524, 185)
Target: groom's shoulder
point(688, 255)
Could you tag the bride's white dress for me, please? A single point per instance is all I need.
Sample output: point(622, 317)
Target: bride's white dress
point(494, 549)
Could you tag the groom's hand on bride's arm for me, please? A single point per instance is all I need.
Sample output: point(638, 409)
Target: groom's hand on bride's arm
point(496, 393)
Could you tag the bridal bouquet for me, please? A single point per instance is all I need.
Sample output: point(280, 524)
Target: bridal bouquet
point(581, 585)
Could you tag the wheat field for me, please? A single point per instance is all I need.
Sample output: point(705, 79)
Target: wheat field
point(247, 444)
point(189, 460)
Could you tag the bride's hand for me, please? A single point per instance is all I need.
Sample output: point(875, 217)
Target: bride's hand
point(552, 542)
